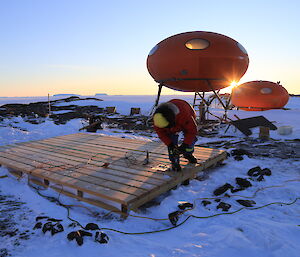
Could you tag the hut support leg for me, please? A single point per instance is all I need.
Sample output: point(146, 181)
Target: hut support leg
point(158, 94)
point(157, 99)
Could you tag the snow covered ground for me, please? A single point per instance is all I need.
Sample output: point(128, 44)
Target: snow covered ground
point(273, 230)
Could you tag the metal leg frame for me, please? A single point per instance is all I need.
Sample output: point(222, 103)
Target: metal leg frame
point(157, 99)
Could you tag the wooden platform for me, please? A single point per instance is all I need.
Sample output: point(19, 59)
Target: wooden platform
point(109, 172)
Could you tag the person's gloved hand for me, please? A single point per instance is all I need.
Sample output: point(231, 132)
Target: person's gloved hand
point(174, 157)
point(173, 149)
point(185, 149)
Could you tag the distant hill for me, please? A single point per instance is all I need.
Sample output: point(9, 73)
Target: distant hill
point(66, 95)
point(100, 94)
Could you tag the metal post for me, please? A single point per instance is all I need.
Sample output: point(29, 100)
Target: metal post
point(203, 99)
point(158, 94)
point(194, 102)
point(157, 99)
point(49, 105)
point(221, 102)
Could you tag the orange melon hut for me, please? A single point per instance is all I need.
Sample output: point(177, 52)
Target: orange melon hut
point(197, 61)
point(259, 96)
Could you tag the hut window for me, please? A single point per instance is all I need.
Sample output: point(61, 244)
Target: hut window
point(242, 48)
point(153, 50)
point(197, 44)
point(266, 90)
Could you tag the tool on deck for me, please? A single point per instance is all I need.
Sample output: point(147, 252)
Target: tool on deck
point(146, 161)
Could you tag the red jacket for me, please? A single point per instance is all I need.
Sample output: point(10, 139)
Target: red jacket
point(185, 121)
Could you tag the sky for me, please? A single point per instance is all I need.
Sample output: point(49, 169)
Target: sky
point(94, 46)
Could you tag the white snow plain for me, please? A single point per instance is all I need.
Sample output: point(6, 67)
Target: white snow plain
point(271, 231)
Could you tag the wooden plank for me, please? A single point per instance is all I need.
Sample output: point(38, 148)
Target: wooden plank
point(202, 151)
point(143, 193)
point(89, 201)
point(16, 173)
point(221, 157)
point(143, 168)
point(136, 203)
point(31, 149)
point(111, 140)
point(200, 155)
point(178, 179)
point(98, 181)
point(76, 161)
point(120, 158)
point(138, 145)
point(119, 151)
point(96, 135)
point(38, 182)
point(189, 174)
point(117, 160)
point(94, 151)
point(168, 163)
point(91, 166)
point(117, 147)
point(123, 171)
point(117, 175)
point(83, 136)
point(125, 141)
point(91, 138)
point(138, 192)
point(142, 147)
point(171, 185)
point(68, 181)
point(121, 162)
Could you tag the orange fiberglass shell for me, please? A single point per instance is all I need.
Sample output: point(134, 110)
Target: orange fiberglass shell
point(259, 96)
point(197, 61)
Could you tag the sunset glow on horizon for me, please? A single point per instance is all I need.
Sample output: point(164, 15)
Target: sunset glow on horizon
point(85, 48)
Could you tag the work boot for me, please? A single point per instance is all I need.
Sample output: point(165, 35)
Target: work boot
point(175, 163)
point(176, 166)
point(191, 158)
point(174, 158)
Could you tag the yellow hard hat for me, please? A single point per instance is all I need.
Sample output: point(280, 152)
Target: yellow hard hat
point(160, 121)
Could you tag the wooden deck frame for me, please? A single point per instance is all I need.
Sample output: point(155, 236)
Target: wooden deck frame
point(105, 171)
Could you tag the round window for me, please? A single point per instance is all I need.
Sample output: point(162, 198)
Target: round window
point(242, 48)
point(197, 44)
point(266, 90)
point(153, 50)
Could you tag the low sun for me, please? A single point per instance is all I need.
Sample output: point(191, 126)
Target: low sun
point(233, 84)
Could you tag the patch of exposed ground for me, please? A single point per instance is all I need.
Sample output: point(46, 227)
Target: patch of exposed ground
point(13, 213)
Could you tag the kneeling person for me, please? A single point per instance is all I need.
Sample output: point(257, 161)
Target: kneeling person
point(169, 119)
